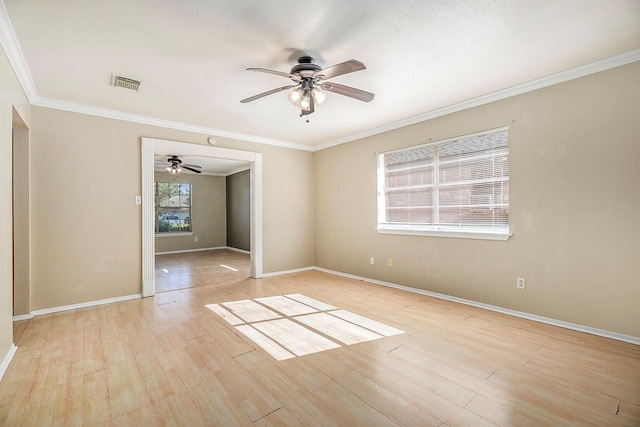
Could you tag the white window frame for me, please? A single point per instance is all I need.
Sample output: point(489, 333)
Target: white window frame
point(433, 229)
point(173, 233)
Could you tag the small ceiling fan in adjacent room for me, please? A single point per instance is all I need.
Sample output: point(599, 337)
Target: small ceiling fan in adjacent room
point(174, 166)
point(310, 80)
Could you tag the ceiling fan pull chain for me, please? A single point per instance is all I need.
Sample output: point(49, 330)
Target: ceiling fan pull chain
point(307, 120)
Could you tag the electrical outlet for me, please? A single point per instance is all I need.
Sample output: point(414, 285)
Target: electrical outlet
point(372, 261)
point(390, 262)
point(195, 239)
point(520, 283)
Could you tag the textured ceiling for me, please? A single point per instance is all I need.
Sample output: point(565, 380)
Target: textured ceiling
point(191, 56)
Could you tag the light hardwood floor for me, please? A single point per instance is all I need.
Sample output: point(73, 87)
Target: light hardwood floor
point(192, 269)
point(169, 360)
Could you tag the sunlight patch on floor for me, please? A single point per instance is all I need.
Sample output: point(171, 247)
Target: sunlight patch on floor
point(250, 311)
point(286, 306)
point(295, 337)
point(286, 326)
point(339, 329)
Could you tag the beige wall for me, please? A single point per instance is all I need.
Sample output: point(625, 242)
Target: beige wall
point(575, 207)
point(208, 213)
point(11, 97)
point(86, 227)
point(21, 215)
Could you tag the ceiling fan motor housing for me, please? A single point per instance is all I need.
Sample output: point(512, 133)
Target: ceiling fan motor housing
point(305, 67)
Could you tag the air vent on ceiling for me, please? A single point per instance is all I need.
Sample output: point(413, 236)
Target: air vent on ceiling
point(127, 83)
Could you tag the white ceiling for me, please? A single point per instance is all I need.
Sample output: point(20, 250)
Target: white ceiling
point(421, 57)
point(208, 165)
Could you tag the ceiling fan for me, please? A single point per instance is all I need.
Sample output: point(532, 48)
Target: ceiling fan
point(175, 166)
point(310, 80)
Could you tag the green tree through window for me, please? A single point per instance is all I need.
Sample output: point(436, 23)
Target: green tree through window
point(173, 207)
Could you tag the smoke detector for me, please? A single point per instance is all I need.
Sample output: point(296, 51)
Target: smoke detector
point(125, 82)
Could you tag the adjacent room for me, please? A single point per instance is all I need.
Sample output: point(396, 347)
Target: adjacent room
point(381, 213)
point(202, 221)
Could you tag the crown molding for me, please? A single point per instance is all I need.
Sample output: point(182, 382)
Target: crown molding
point(14, 53)
point(119, 115)
point(9, 42)
point(585, 70)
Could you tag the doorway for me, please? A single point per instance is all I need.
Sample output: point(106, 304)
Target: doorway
point(150, 147)
point(21, 208)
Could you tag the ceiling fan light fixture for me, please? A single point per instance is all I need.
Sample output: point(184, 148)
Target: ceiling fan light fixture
point(295, 96)
point(305, 102)
point(318, 95)
point(174, 169)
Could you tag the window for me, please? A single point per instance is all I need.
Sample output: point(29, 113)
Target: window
point(173, 207)
point(457, 187)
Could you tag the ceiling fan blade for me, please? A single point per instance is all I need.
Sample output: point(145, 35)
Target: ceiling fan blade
point(267, 93)
point(349, 91)
point(192, 166)
point(277, 73)
point(190, 169)
point(339, 69)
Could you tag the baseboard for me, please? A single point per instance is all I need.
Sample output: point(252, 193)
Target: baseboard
point(238, 250)
point(84, 304)
point(296, 270)
point(203, 249)
point(541, 319)
point(191, 250)
point(7, 359)
point(102, 301)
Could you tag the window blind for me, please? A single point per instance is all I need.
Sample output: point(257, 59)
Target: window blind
point(461, 183)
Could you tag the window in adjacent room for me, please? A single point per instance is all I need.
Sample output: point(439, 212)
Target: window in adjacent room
point(173, 207)
point(457, 187)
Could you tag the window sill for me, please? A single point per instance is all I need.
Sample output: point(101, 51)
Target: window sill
point(176, 234)
point(481, 235)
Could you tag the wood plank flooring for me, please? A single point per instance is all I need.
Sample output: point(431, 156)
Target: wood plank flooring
point(170, 360)
point(192, 269)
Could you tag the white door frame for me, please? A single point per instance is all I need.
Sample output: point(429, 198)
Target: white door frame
point(149, 147)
